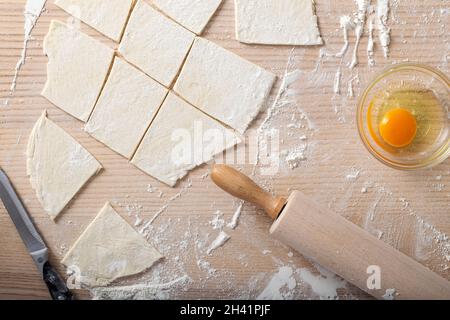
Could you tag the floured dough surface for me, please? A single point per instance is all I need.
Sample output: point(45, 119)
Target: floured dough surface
point(280, 22)
point(107, 16)
point(180, 139)
point(223, 84)
point(155, 44)
point(109, 249)
point(127, 105)
point(77, 68)
point(58, 165)
point(192, 14)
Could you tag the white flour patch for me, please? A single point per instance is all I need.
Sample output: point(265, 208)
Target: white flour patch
point(281, 286)
point(346, 25)
point(337, 82)
point(390, 294)
point(221, 239)
point(353, 174)
point(384, 32)
point(235, 219)
point(360, 21)
point(217, 222)
point(325, 285)
point(32, 12)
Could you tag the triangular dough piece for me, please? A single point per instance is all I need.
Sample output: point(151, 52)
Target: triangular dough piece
point(76, 70)
point(58, 165)
point(180, 139)
point(191, 14)
point(279, 22)
point(107, 16)
point(127, 105)
point(109, 249)
point(224, 85)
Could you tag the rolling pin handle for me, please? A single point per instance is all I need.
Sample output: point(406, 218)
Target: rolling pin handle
point(242, 187)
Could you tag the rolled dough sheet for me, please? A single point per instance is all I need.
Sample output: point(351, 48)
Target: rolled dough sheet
point(127, 105)
point(280, 22)
point(192, 14)
point(109, 249)
point(180, 139)
point(58, 166)
point(223, 84)
point(107, 16)
point(76, 71)
point(155, 44)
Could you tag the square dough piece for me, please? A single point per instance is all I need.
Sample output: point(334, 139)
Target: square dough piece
point(155, 44)
point(192, 14)
point(76, 71)
point(107, 16)
point(223, 84)
point(127, 105)
point(109, 249)
point(180, 139)
point(58, 166)
point(280, 22)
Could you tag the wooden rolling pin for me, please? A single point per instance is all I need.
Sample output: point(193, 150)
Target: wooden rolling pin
point(337, 244)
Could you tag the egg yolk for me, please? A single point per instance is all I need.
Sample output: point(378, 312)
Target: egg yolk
point(398, 127)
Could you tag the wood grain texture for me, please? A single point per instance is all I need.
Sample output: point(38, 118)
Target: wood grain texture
point(410, 209)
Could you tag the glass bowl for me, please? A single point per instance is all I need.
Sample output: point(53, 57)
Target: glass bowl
point(425, 92)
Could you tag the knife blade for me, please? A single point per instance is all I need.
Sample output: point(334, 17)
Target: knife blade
point(32, 240)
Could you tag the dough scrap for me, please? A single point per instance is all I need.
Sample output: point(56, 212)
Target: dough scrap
point(192, 14)
point(180, 139)
point(58, 166)
point(155, 44)
point(109, 249)
point(127, 105)
point(223, 84)
point(107, 16)
point(77, 68)
point(280, 22)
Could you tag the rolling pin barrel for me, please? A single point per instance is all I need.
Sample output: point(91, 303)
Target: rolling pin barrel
point(337, 244)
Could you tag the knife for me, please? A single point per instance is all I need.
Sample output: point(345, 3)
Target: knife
point(32, 240)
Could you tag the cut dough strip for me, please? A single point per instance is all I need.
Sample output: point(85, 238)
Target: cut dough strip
point(109, 249)
point(279, 22)
point(192, 14)
point(77, 68)
point(155, 44)
point(107, 16)
point(127, 105)
point(58, 165)
point(223, 84)
point(180, 139)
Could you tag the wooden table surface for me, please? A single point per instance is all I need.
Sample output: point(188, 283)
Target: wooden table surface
point(411, 210)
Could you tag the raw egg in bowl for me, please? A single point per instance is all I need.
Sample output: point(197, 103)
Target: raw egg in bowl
point(404, 117)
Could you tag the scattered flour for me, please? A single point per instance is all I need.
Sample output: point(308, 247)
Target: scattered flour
point(161, 291)
point(384, 32)
point(32, 12)
point(281, 286)
point(235, 219)
point(325, 285)
point(390, 294)
point(145, 229)
point(353, 174)
point(221, 239)
point(217, 222)
point(346, 25)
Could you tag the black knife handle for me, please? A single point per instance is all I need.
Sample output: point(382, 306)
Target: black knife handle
point(56, 285)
